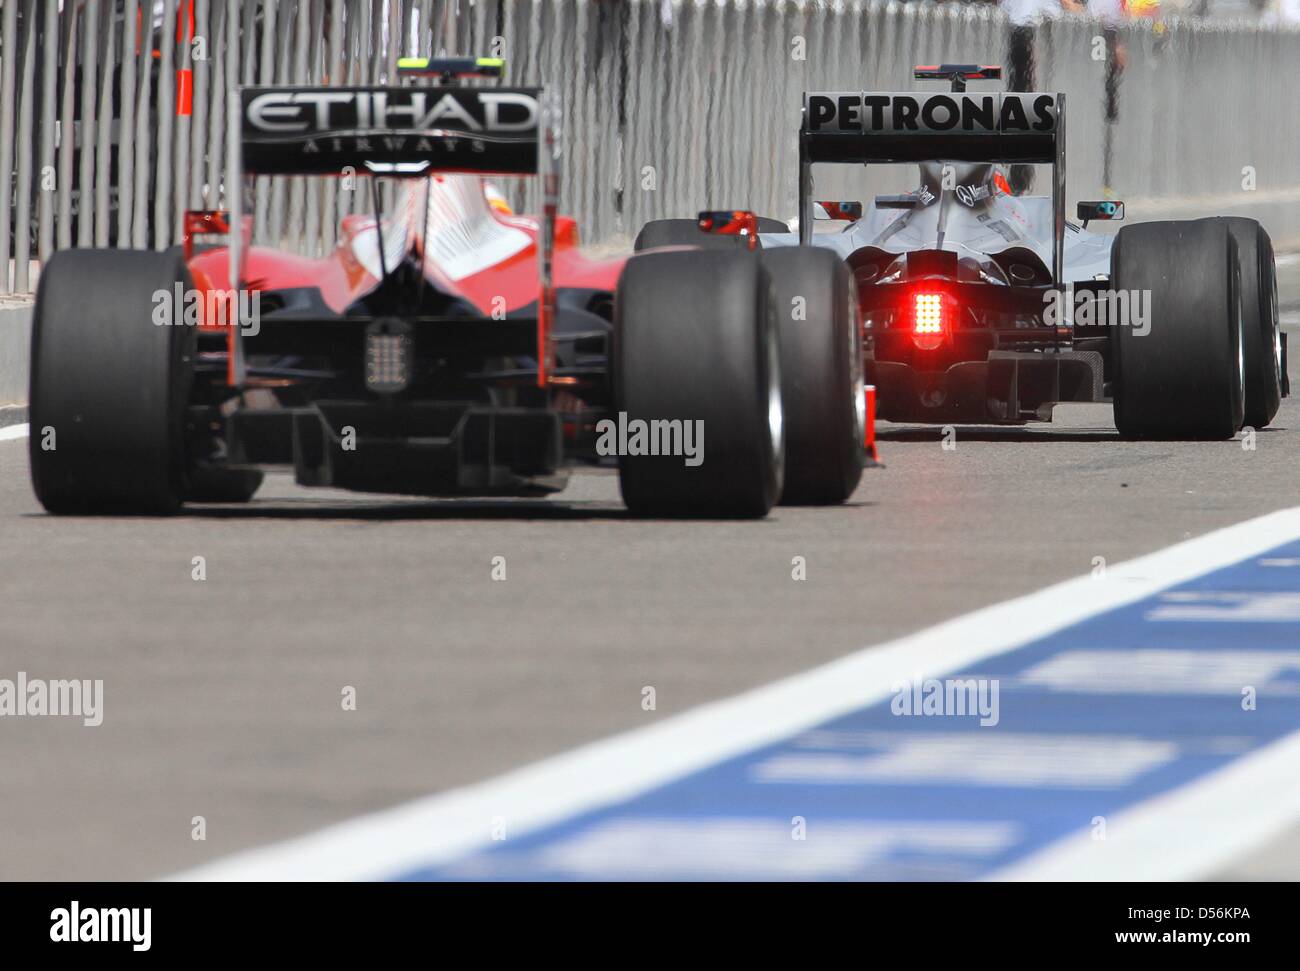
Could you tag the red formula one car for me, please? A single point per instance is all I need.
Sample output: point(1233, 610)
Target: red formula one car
point(444, 347)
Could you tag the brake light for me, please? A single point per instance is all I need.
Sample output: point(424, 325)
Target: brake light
point(930, 320)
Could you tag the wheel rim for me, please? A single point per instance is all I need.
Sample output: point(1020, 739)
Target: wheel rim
point(858, 381)
point(1273, 326)
point(1240, 389)
point(775, 407)
point(1241, 363)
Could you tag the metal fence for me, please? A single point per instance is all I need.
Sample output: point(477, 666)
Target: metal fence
point(112, 111)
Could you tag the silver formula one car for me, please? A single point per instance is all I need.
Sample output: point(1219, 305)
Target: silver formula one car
point(981, 306)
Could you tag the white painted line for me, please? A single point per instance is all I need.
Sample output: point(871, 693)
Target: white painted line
point(1186, 833)
point(10, 432)
point(443, 827)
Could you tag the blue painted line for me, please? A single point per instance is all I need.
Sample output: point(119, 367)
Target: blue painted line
point(1091, 720)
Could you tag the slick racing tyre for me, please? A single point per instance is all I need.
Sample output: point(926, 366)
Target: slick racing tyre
point(1261, 341)
point(222, 485)
point(1182, 375)
point(821, 373)
point(695, 348)
point(687, 232)
point(109, 386)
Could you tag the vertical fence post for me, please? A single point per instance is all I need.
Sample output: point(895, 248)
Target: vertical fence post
point(217, 57)
point(331, 204)
point(23, 148)
point(126, 124)
point(265, 75)
point(81, 134)
point(203, 42)
point(104, 129)
point(182, 85)
point(8, 64)
point(144, 150)
point(166, 150)
point(45, 178)
point(65, 128)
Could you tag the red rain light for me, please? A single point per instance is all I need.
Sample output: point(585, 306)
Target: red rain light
point(929, 320)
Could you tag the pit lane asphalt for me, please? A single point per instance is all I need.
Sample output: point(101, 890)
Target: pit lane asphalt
point(222, 698)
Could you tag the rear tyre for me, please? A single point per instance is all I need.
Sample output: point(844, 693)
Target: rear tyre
point(1183, 376)
point(1261, 341)
point(108, 385)
point(695, 341)
point(686, 232)
point(821, 374)
point(222, 485)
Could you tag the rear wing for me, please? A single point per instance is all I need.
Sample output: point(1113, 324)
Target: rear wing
point(409, 132)
point(868, 127)
point(389, 131)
